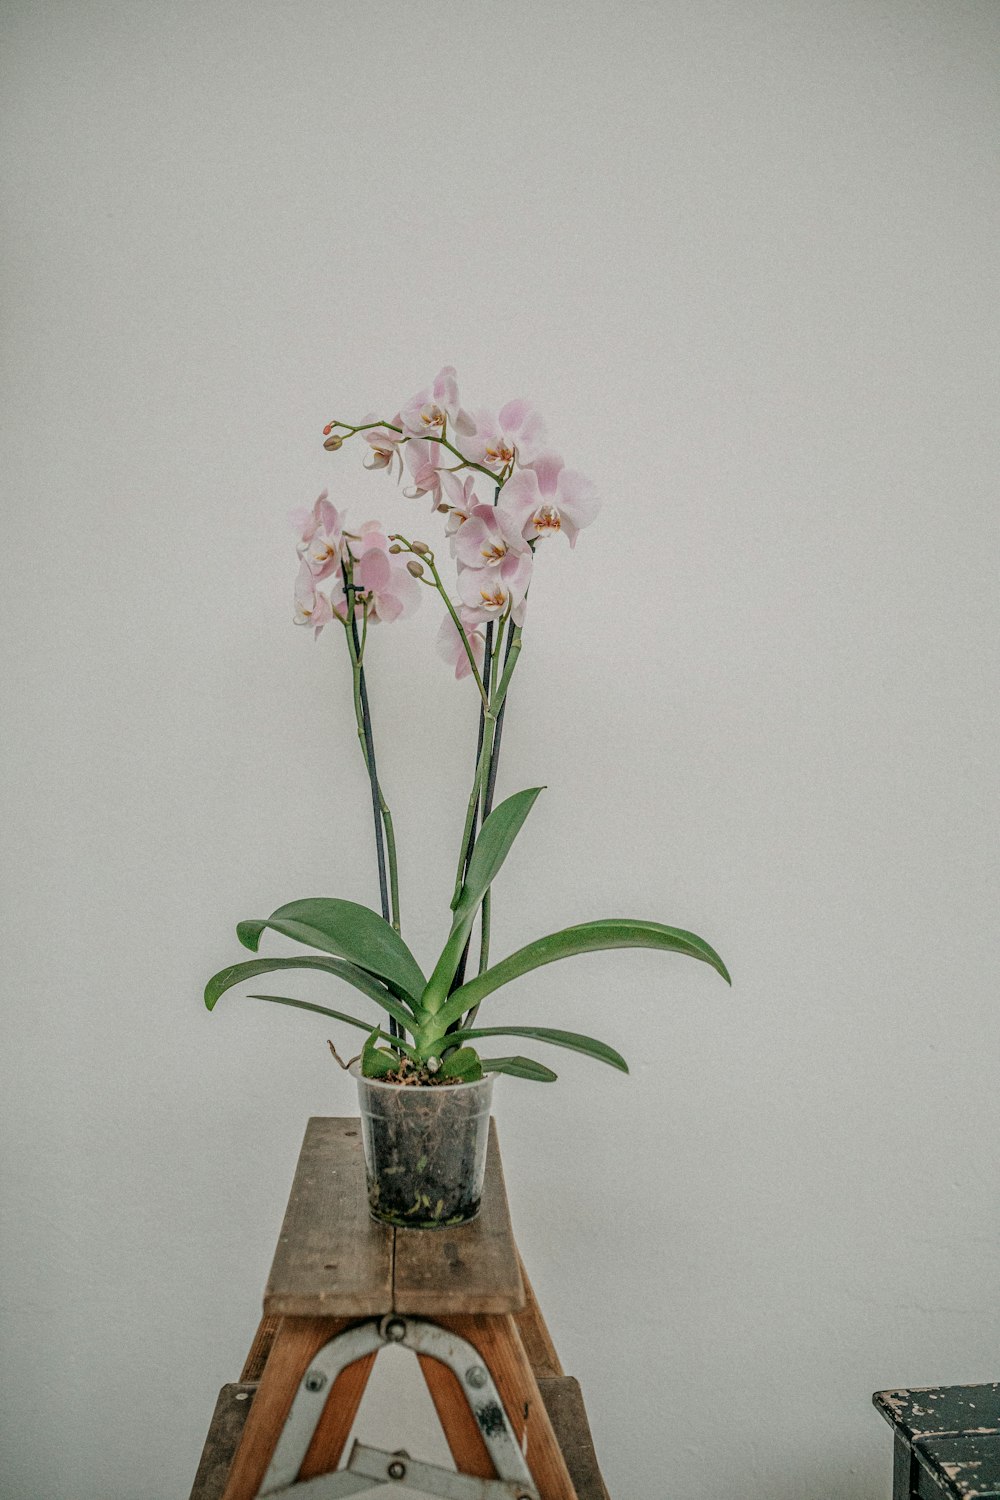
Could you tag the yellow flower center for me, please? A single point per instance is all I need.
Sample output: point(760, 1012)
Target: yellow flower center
point(493, 552)
point(547, 519)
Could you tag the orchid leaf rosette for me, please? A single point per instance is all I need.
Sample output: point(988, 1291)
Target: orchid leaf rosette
point(497, 495)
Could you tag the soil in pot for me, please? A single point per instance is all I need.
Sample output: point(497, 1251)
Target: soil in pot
point(425, 1151)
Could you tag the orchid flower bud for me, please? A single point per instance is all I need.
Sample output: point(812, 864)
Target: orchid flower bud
point(332, 443)
point(415, 568)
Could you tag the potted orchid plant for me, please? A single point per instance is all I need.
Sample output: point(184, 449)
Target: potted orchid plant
point(424, 1083)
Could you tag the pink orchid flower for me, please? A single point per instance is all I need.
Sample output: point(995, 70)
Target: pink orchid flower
point(311, 606)
point(421, 460)
point(391, 590)
point(322, 537)
point(461, 498)
point(490, 593)
point(384, 444)
point(489, 536)
point(426, 412)
point(513, 436)
point(548, 497)
point(450, 648)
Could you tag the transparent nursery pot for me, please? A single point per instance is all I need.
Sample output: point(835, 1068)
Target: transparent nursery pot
point(425, 1150)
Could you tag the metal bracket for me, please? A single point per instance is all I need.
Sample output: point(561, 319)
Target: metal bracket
point(369, 1468)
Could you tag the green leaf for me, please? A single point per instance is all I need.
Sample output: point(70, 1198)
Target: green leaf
point(571, 1039)
point(589, 937)
point(337, 1015)
point(520, 1067)
point(493, 845)
point(351, 931)
point(376, 1063)
point(360, 978)
point(462, 1063)
point(495, 838)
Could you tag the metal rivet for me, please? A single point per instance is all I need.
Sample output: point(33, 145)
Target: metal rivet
point(396, 1470)
point(315, 1380)
point(476, 1377)
point(395, 1330)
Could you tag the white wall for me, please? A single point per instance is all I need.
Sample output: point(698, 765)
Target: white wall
point(744, 257)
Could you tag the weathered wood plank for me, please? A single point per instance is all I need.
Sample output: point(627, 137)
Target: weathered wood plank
point(471, 1268)
point(568, 1415)
point(223, 1435)
point(332, 1259)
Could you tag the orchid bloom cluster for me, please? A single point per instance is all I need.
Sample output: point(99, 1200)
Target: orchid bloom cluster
point(499, 486)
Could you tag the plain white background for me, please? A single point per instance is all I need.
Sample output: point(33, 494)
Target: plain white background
point(744, 258)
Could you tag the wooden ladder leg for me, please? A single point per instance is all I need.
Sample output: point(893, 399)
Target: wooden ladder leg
point(535, 1336)
point(253, 1368)
point(295, 1344)
point(455, 1415)
point(496, 1338)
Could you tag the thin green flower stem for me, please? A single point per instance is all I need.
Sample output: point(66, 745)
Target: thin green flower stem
point(428, 558)
point(511, 654)
point(428, 437)
point(469, 834)
point(380, 810)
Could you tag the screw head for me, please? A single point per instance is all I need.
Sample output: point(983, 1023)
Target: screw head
point(395, 1330)
point(396, 1470)
point(475, 1376)
point(315, 1380)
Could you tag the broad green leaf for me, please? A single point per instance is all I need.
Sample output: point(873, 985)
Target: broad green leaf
point(462, 1063)
point(492, 846)
point(520, 1067)
point(571, 1039)
point(360, 978)
point(337, 1015)
point(348, 929)
point(589, 937)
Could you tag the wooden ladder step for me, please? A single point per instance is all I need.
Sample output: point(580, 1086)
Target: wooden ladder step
point(563, 1402)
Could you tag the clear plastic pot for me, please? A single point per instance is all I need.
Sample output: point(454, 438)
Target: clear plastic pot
point(425, 1150)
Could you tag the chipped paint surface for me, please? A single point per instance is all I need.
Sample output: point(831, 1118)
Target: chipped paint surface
point(953, 1432)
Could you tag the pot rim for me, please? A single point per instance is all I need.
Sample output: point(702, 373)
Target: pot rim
point(416, 1088)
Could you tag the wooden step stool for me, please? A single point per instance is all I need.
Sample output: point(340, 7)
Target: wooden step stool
point(460, 1297)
